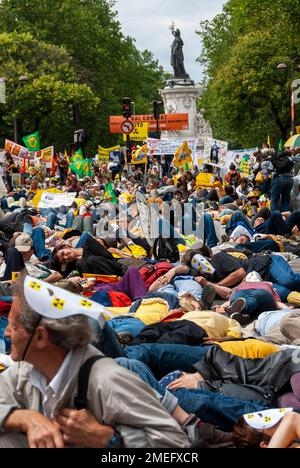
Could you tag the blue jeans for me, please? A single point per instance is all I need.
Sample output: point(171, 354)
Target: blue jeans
point(53, 219)
point(213, 408)
point(165, 358)
point(284, 278)
point(127, 324)
point(281, 193)
point(38, 237)
point(167, 400)
point(279, 226)
point(82, 240)
point(239, 219)
point(258, 301)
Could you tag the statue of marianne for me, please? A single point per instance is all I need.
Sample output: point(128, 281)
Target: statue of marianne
point(177, 57)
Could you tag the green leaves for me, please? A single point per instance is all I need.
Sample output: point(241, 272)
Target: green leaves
point(246, 97)
point(77, 42)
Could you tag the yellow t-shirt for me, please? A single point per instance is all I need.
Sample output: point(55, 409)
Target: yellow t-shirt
point(215, 325)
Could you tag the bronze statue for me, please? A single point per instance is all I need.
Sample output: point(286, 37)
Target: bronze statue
point(177, 57)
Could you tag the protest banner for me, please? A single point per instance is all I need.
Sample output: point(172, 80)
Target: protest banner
point(140, 132)
point(159, 147)
point(17, 150)
point(56, 200)
point(222, 149)
point(104, 154)
point(44, 156)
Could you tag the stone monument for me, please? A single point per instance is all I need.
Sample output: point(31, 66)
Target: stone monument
point(181, 94)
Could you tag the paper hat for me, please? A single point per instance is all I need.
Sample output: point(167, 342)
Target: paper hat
point(266, 419)
point(56, 303)
point(202, 264)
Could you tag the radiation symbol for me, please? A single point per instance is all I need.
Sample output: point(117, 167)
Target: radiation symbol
point(32, 142)
point(85, 303)
point(58, 304)
point(35, 286)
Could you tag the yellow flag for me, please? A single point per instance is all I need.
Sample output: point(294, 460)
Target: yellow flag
point(269, 141)
point(140, 156)
point(182, 156)
point(140, 132)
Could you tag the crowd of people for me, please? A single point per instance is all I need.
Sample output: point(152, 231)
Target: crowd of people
point(173, 322)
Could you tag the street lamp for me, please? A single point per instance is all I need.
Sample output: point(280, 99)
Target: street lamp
point(295, 64)
point(22, 79)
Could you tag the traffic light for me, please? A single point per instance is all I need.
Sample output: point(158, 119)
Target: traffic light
point(156, 109)
point(127, 108)
point(74, 113)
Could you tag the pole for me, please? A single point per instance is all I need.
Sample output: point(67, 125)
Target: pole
point(293, 100)
point(14, 111)
point(128, 144)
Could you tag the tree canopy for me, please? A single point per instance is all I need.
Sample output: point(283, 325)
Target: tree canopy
point(246, 98)
point(103, 65)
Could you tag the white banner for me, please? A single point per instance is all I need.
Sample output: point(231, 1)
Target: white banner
point(159, 147)
point(221, 148)
point(231, 155)
point(56, 200)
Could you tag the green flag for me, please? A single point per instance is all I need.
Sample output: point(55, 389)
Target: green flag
point(32, 141)
point(280, 145)
point(110, 194)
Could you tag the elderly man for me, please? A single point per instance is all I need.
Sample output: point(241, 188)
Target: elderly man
point(38, 395)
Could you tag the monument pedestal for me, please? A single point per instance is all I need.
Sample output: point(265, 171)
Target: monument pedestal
point(180, 96)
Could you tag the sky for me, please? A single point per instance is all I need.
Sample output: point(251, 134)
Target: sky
point(148, 22)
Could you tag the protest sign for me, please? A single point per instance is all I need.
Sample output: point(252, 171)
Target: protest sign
point(222, 149)
point(56, 200)
point(159, 147)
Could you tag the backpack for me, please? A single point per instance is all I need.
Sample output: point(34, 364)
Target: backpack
point(165, 249)
point(151, 273)
point(281, 163)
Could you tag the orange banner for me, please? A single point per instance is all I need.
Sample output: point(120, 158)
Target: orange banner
point(167, 122)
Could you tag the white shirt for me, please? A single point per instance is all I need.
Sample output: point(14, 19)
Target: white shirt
point(51, 393)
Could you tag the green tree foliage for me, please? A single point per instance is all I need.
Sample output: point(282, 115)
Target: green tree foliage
point(105, 60)
point(43, 101)
point(246, 97)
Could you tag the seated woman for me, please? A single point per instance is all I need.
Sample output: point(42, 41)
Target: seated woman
point(268, 429)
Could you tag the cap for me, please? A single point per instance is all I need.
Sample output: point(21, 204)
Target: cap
point(266, 419)
point(23, 243)
point(56, 303)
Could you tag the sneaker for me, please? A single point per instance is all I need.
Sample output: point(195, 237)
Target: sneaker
point(208, 296)
point(242, 319)
point(237, 307)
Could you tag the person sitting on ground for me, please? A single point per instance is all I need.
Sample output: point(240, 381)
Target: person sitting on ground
point(48, 353)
